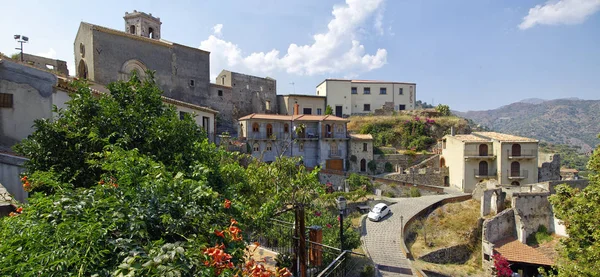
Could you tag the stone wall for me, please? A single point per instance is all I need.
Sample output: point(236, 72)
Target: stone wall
point(499, 227)
point(531, 211)
point(549, 167)
point(10, 169)
point(457, 254)
point(398, 161)
point(578, 184)
point(57, 66)
point(423, 176)
point(492, 201)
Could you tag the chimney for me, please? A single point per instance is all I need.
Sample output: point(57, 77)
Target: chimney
point(296, 108)
point(452, 131)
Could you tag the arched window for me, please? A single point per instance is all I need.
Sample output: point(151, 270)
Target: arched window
point(515, 169)
point(483, 150)
point(340, 128)
point(516, 150)
point(269, 130)
point(363, 165)
point(269, 147)
point(255, 127)
point(446, 180)
point(442, 162)
point(132, 29)
point(82, 70)
point(328, 131)
point(483, 168)
point(256, 147)
point(150, 32)
point(130, 66)
point(286, 128)
point(334, 148)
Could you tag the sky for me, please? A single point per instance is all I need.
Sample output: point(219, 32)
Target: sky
point(469, 54)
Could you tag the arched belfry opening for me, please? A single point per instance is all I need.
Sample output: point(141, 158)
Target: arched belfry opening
point(142, 24)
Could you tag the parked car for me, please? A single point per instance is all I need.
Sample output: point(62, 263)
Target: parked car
point(378, 212)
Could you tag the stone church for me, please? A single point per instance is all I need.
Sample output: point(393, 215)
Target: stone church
point(105, 55)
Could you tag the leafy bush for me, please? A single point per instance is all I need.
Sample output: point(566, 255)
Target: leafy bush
point(328, 110)
point(357, 181)
point(388, 167)
point(541, 236)
point(389, 194)
point(368, 271)
point(372, 165)
point(414, 192)
point(444, 110)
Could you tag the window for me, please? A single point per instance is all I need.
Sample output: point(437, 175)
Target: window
point(191, 83)
point(6, 100)
point(307, 111)
point(220, 93)
point(182, 115)
point(150, 33)
point(367, 107)
point(255, 127)
point(268, 105)
point(354, 90)
point(319, 111)
point(286, 128)
point(132, 29)
point(269, 130)
point(269, 147)
point(206, 124)
point(261, 88)
point(400, 91)
point(382, 90)
point(301, 146)
point(401, 107)
point(256, 147)
point(82, 50)
point(339, 128)
point(365, 147)
point(367, 91)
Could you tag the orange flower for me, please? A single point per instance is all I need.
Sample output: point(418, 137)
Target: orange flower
point(219, 233)
point(13, 214)
point(115, 185)
point(101, 182)
point(227, 204)
point(19, 210)
point(233, 221)
point(24, 179)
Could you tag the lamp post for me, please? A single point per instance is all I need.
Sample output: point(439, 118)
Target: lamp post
point(341, 203)
point(21, 39)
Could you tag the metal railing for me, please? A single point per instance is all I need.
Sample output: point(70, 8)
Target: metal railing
point(517, 174)
point(484, 173)
point(490, 154)
point(270, 135)
point(335, 153)
point(527, 153)
point(347, 264)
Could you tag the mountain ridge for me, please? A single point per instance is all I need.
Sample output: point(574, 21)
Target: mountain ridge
point(569, 121)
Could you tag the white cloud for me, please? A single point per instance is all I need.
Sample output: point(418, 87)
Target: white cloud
point(379, 22)
point(51, 54)
point(566, 12)
point(217, 30)
point(336, 51)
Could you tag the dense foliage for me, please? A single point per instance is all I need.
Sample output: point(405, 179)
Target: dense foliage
point(580, 212)
point(570, 156)
point(411, 134)
point(444, 110)
point(120, 186)
point(328, 110)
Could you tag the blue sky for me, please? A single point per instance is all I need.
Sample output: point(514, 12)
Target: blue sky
point(472, 55)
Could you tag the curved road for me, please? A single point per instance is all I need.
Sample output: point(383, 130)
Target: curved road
point(382, 239)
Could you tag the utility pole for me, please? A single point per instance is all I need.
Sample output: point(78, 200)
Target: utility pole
point(21, 39)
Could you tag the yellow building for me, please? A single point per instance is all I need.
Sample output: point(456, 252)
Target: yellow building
point(472, 158)
point(298, 104)
point(348, 97)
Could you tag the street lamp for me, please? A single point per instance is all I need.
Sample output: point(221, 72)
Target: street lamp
point(21, 39)
point(341, 203)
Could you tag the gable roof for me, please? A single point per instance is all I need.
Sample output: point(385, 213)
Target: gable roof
point(504, 137)
point(361, 136)
point(516, 251)
point(293, 117)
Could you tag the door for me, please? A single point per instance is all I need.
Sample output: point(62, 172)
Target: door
point(483, 168)
point(336, 164)
point(338, 111)
point(516, 150)
point(515, 169)
point(363, 165)
point(483, 150)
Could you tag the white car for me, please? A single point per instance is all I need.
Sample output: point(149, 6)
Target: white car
point(378, 212)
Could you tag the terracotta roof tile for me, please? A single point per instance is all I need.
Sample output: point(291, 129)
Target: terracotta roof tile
point(293, 117)
point(361, 136)
point(469, 138)
point(504, 137)
point(516, 251)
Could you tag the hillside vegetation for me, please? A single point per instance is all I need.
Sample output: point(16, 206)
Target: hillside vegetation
point(570, 156)
point(409, 130)
point(562, 121)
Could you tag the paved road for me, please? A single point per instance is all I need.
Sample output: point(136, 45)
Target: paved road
point(382, 239)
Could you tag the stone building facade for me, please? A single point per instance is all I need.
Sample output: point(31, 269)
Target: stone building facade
point(295, 104)
point(319, 140)
point(360, 152)
point(105, 55)
point(56, 66)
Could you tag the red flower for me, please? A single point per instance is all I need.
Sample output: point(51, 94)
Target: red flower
point(328, 225)
point(101, 182)
point(219, 233)
point(317, 213)
point(20, 210)
point(227, 204)
point(24, 179)
point(338, 218)
point(233, 221)
point(13, 214)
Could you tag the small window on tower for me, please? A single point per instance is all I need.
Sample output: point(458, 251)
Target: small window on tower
point(268, 105)
point(132, 29)
point(6, 100)
point(191, 83)
point(220, 92)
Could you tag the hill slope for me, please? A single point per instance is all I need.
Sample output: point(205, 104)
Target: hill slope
point(561, 121)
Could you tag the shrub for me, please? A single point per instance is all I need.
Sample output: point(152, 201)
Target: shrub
point(388, 167)
point(389, 194)
point(368, 271)
point(357, 181)
point(414, 192)
point(444, 110)
point(372, 165)
point(542, 235)
point(328, 110)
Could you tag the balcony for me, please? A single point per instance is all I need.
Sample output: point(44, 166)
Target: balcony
point(517, 174)
point(269, 136)
point(521, 155)
point(308, 134)
point(335, 153)
point(335, 135)
point(484, 174)
point(479, 155)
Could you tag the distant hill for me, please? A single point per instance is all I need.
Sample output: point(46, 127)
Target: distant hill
point(562, 121)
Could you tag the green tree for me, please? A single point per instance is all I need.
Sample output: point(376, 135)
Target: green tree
point(132, 116)
point(580, 212)
point(328, 110)
point(16, 56)
point(444, 110)
point(357, 181)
